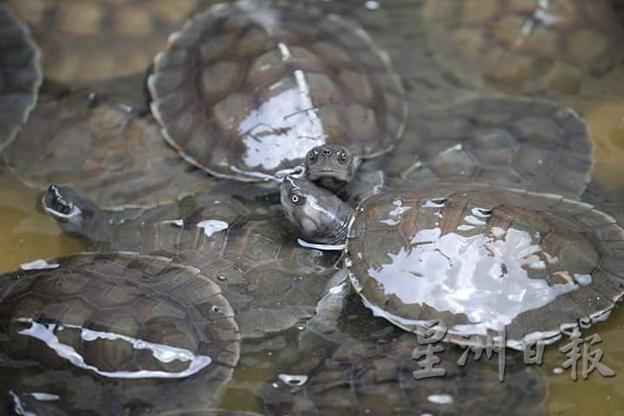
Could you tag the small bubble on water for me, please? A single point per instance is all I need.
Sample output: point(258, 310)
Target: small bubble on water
point(293, 380)
point(301, 327)
point(222, 278)
point(557, 370)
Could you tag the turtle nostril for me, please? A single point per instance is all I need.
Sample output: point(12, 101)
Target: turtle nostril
point(327, 152)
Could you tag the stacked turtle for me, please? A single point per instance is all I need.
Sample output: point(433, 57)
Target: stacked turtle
point(248, 92)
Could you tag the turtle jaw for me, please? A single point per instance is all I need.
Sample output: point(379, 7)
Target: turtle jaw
point(58, 206)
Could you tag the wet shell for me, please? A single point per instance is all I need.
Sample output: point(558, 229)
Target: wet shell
point(375, 376)
point(94, 40)
point(104, 150)
point(529, 144)
point(271, 281)
point(525, 46)
point(482, 259)
point(245, 90)
point(115, 332)
point(20, 76)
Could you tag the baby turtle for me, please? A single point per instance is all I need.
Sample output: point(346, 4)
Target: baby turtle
point(114, 333)
point(529, 144)
point(526, 46)
point(374, 374)
point(104, 150)
point(20, 76)
point(244, 90)
point(95, 40)
point(479, 258)
point(271, 281)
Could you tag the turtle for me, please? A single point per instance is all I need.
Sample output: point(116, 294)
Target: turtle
point(244, 90)
point(526, 46)
point(104, 149)
point(271, 281)
point(527, 143)
point(20, 75)
point(484, 260)
point(114, 333)
point(369, 369)
point(95, 40)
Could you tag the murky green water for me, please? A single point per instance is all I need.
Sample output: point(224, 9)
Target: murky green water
point(26, 233)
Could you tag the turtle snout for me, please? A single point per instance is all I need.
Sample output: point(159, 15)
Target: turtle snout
point(54, 201)
point(326, 152)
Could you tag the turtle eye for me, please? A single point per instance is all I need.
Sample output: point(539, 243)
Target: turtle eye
point(296, 199)
point(343, 157)
point(312, 154)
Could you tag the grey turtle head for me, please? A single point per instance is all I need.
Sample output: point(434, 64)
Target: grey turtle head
point(319, 215)
point(74, 213)
point(330, 166)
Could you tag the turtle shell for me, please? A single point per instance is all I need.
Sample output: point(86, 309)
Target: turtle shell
point(484, 261)
point(375, 376)
point(95, 40)
point(113, 333)
point(104, 150)
point(525, 46)
point(245, 90)
point(529, 144)
point(271, 281)
point(20, 75)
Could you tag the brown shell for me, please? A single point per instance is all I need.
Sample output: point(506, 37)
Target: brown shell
point(94, 40)
point(271, 281)
point(104, 150)
point(245, 90)
point(415, 252)
point(375, 377)
point(522, 45)
point(20, 76)
point(529, 144)
point(116, 311)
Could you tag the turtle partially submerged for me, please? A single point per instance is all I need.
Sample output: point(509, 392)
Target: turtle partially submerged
point(95, 40)
point(105, 150)
point(526, 46)
point(113, 333)
point(530, 144)
point(481, 259)
point(244, 90)
point(368, 368)
point(271, 281)
point(20, 75)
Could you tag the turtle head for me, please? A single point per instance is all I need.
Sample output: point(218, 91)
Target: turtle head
point(319, 215)
point(74, 213)
point(330, 166)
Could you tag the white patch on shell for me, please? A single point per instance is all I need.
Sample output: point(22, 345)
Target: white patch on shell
point(440, 398)
point(210, 227)
point(324, 247)
point(284, 127)
point(45, 397)
point(163, 353)
point(483, 278)
point(39, 265)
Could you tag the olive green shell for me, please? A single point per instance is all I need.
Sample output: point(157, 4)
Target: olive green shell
point(20, 76)
point(529, 144)
point(104, 150)
point(482, 259)
point(94, 40)
point(245, 90)
point(271, 281)
point(525, 45)
point(114, 333)
point(375, 376)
